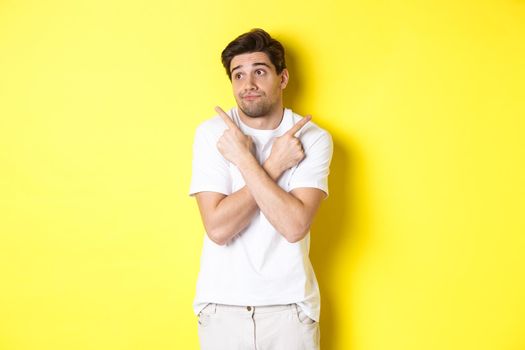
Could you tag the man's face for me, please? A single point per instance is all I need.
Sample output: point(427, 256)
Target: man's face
point(256, 85)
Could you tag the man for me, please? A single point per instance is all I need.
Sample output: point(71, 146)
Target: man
point(259, 176)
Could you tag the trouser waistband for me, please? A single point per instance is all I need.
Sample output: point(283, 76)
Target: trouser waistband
point(249, 309)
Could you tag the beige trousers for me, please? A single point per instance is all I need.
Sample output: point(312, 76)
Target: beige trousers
point(276, 327)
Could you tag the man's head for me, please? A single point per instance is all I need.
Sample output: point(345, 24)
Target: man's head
point(255, 64)
point(256, 40)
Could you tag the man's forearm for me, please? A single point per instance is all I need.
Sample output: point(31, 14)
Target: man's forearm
point(287, 213)
point(235, 211)
point(284, 211)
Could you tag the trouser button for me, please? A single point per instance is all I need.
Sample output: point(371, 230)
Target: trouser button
point(249, 308)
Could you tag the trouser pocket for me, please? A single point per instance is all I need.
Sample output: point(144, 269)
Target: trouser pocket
point(303, 317)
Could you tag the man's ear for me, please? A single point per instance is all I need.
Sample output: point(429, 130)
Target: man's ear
point(284, 78)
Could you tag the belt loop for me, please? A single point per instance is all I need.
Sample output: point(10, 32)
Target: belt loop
point(296, 311)
point(214, 307)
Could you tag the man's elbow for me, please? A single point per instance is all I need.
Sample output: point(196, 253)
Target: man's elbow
point(218, 235)
point(217, 240)
point(296, 234)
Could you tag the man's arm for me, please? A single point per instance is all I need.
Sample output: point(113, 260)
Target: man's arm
point(224, 216)
point(290, 213)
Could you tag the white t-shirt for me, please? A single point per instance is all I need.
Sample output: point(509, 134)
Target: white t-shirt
point(258, 266)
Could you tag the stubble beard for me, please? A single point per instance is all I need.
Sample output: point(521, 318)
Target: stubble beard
point(256, 109)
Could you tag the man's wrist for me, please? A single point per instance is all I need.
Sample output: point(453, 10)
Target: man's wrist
point(247, 161)
point(272, 170)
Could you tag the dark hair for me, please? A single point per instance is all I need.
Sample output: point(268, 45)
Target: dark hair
point(256, 40)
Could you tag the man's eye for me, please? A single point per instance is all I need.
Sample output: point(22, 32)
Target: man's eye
point(238, 76)
point(259, 72)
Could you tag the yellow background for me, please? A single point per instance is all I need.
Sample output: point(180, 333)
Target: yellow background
point(420, 245)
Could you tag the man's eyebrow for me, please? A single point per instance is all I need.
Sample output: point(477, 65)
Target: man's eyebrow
point(255, 64)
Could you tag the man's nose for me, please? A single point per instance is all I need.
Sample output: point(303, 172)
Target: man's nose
point(250, 83)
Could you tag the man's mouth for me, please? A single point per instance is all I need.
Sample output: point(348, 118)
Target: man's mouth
point(251, 97)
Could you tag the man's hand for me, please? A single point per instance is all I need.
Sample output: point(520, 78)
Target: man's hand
point(233, 144)
point(287, 151)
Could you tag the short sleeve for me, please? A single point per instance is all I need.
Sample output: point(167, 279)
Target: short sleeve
point(210, 170)
point(313, 170)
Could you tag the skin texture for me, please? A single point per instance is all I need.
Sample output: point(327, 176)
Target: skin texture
point(253, 74)
point(258, 91)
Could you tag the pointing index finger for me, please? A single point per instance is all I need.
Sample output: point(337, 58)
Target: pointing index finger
point(297, 126)
point(226, 118)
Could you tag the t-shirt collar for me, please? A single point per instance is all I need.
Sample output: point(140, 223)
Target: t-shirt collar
point(284, 125)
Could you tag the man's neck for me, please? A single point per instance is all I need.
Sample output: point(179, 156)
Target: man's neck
point(268, 122)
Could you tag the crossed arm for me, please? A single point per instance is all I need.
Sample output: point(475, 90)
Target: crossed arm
point(291, 213)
